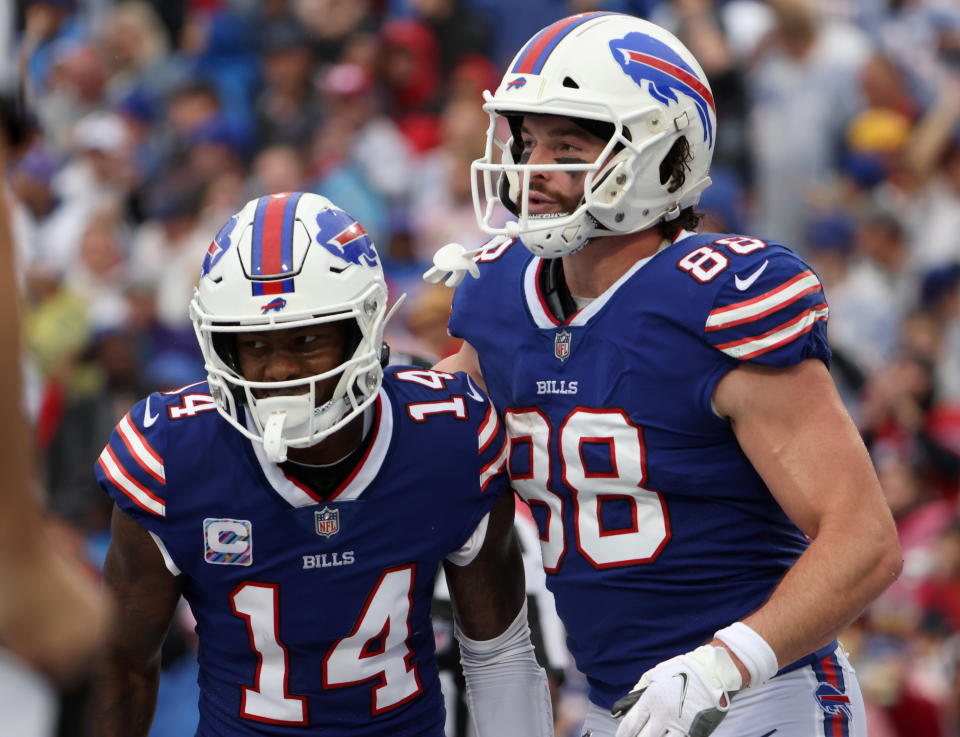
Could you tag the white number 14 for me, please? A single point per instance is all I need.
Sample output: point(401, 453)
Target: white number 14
point(375, 650)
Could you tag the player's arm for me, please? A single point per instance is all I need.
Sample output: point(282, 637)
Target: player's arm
point(51, 613)
point(489, 592)
point(793, 427)
point(466, 359)
point(124, 694)
point(507, 690)
point(796, 432)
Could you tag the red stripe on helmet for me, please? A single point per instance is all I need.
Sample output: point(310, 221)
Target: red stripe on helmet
point(526, 64)
point(674, 71)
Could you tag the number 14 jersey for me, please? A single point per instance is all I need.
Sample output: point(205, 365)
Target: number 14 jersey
point(313, 614)
point(655, 529)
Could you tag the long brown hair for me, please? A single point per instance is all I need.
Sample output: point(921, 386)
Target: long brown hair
point(673, 173)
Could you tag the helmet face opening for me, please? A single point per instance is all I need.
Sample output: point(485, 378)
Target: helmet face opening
point(624, 80)
point(227, 348)
point(288, 261)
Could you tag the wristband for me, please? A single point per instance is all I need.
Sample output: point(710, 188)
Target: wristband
point(752, 650)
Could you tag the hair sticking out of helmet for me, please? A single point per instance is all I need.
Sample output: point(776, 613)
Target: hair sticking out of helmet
point(627, 82)
point(285, 261)
point(675, 165)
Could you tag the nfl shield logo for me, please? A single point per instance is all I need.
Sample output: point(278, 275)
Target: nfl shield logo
point(327, 521)
point(561, 345)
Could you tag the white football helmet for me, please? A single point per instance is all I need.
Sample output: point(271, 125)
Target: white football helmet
point(286, 261)
point(619, 70)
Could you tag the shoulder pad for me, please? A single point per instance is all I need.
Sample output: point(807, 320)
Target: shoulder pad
point(768, 307)
point(132, 467)
point(500, 250)
point(455, 406)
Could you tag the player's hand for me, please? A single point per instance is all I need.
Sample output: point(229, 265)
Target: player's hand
point(452, 259)
point(53, 615)
point(685, 696)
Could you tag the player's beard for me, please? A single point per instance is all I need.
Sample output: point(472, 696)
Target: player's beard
point(564, 204)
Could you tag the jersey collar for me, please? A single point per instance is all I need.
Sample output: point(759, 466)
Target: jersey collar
point(537, 305)
point(298, 495)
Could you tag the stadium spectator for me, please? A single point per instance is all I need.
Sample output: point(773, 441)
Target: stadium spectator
point(288, 107)
point(803, 88)
point(410, 72)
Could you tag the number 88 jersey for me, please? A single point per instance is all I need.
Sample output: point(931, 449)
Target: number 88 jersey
point(655, 529)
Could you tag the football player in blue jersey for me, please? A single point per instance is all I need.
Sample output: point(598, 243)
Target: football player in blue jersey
point(302, 498)
point(710, 520)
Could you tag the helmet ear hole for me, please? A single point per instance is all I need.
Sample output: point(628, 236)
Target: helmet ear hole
point(676, 164)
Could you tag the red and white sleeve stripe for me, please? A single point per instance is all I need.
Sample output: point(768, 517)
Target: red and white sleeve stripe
point(137, 492)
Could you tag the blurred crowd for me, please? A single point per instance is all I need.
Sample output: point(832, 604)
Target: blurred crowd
point(139, 126)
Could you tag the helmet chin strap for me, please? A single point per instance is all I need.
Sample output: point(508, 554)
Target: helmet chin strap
point(286, 416)
point(273, 443)
point(276, 413)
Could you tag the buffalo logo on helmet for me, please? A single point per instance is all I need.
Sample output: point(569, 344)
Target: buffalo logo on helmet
point(274, 305)
point(218, 246)
point(515, 84)
point(645, 59)
point(345, 238)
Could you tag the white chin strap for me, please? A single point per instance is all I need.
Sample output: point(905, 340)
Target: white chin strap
point(276, 414)
point(292, 420)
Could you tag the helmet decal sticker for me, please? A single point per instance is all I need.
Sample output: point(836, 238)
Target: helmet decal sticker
point(515, 84)
point(274, 305)
point(644, 58)
point(218, 246)
point(534, 55)
point(351, 243)
point(272, 242)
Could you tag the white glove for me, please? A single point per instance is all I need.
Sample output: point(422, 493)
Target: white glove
point(685, 696)
point(455, 260)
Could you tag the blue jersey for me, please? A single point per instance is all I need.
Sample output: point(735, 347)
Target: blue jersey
point(313, 615)
point(655, 529)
